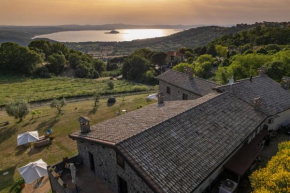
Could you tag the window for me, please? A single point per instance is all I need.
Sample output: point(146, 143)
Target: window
point(271, 120)
point(168, 90)
point(92, 162)
point(258, 130)
point(184, 96)
point(120, 160)
point(122, 185)
point(249, 140)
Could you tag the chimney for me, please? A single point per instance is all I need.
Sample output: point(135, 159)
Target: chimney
point(160, 98)
point(85, 124)
point(257, 102)
point(285, 83)
point(189, 72)
point(262, 71)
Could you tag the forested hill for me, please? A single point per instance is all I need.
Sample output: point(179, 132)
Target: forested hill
point(241, 54)
point(191, 38)
point(257, 36)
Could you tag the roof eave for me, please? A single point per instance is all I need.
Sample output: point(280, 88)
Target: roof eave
point(102, 142)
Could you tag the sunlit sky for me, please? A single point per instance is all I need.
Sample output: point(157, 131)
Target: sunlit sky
point(187, 12)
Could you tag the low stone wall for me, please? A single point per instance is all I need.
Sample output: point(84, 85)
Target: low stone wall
point(57, 185)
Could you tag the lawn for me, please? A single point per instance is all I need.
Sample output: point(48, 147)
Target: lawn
point(29, 89)
point(13, 157)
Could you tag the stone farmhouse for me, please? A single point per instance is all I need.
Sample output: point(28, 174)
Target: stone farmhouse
point(183, 86)
point(179, 145)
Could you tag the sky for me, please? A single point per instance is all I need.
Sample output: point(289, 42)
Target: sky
point(146, 12)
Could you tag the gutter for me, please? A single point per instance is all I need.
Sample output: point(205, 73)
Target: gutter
point(102, 142)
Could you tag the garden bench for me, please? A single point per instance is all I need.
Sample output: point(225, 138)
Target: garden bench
point(42, 142)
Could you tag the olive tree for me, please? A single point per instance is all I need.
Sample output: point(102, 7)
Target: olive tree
point(17, 109)
point(58, 104)
point(96, 98)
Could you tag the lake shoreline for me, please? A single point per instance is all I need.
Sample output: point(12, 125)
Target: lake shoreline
point(124, 35)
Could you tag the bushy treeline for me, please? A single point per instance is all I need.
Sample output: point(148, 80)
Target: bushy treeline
point(257, 36)
point(46, 59)
point(240, 55)
point(143, 65)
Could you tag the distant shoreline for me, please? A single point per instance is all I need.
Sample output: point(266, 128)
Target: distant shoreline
point(120, 35)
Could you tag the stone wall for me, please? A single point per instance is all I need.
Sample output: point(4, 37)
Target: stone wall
point(135, 183)
point(106, 167)
point(282, 118)
point(176, 92)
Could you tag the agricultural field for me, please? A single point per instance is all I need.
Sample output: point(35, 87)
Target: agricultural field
point(29, 89)
point(13, 157)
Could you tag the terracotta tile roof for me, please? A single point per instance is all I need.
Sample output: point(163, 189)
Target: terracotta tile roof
point(197, 85)
point(274, 98)
point(181, 152)
point(170, 53)
point(122, 127)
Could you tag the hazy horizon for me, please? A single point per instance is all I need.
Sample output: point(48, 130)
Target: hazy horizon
point(138, 12)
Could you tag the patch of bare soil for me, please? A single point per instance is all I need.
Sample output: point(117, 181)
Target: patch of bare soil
point(32, 188)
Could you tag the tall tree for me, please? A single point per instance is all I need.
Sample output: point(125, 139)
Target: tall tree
point(41, 45)
point(57, 63)
point(16, 58)
point(181, 67)
point(159, 58)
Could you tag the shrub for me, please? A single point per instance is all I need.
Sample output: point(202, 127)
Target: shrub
point(275, 176)
point(33, 113)
point(17, 185)
point(111, 85)
point(43, 72)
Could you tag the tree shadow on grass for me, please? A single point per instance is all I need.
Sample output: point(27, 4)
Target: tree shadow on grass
point(30, 122)
point(93, 111)
point(48, 123)
point(110, 104)
point(20, 150)
point(7, 132)
point(7, 180)
point(36, 150)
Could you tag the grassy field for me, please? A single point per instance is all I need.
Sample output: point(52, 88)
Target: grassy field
point(13, 157)
point(15, 87)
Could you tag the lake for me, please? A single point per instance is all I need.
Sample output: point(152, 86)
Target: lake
point(101, 36)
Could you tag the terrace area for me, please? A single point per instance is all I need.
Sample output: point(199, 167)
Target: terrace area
point(61, 180)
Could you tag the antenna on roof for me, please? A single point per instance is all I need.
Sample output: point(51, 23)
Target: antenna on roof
point(231, 81)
